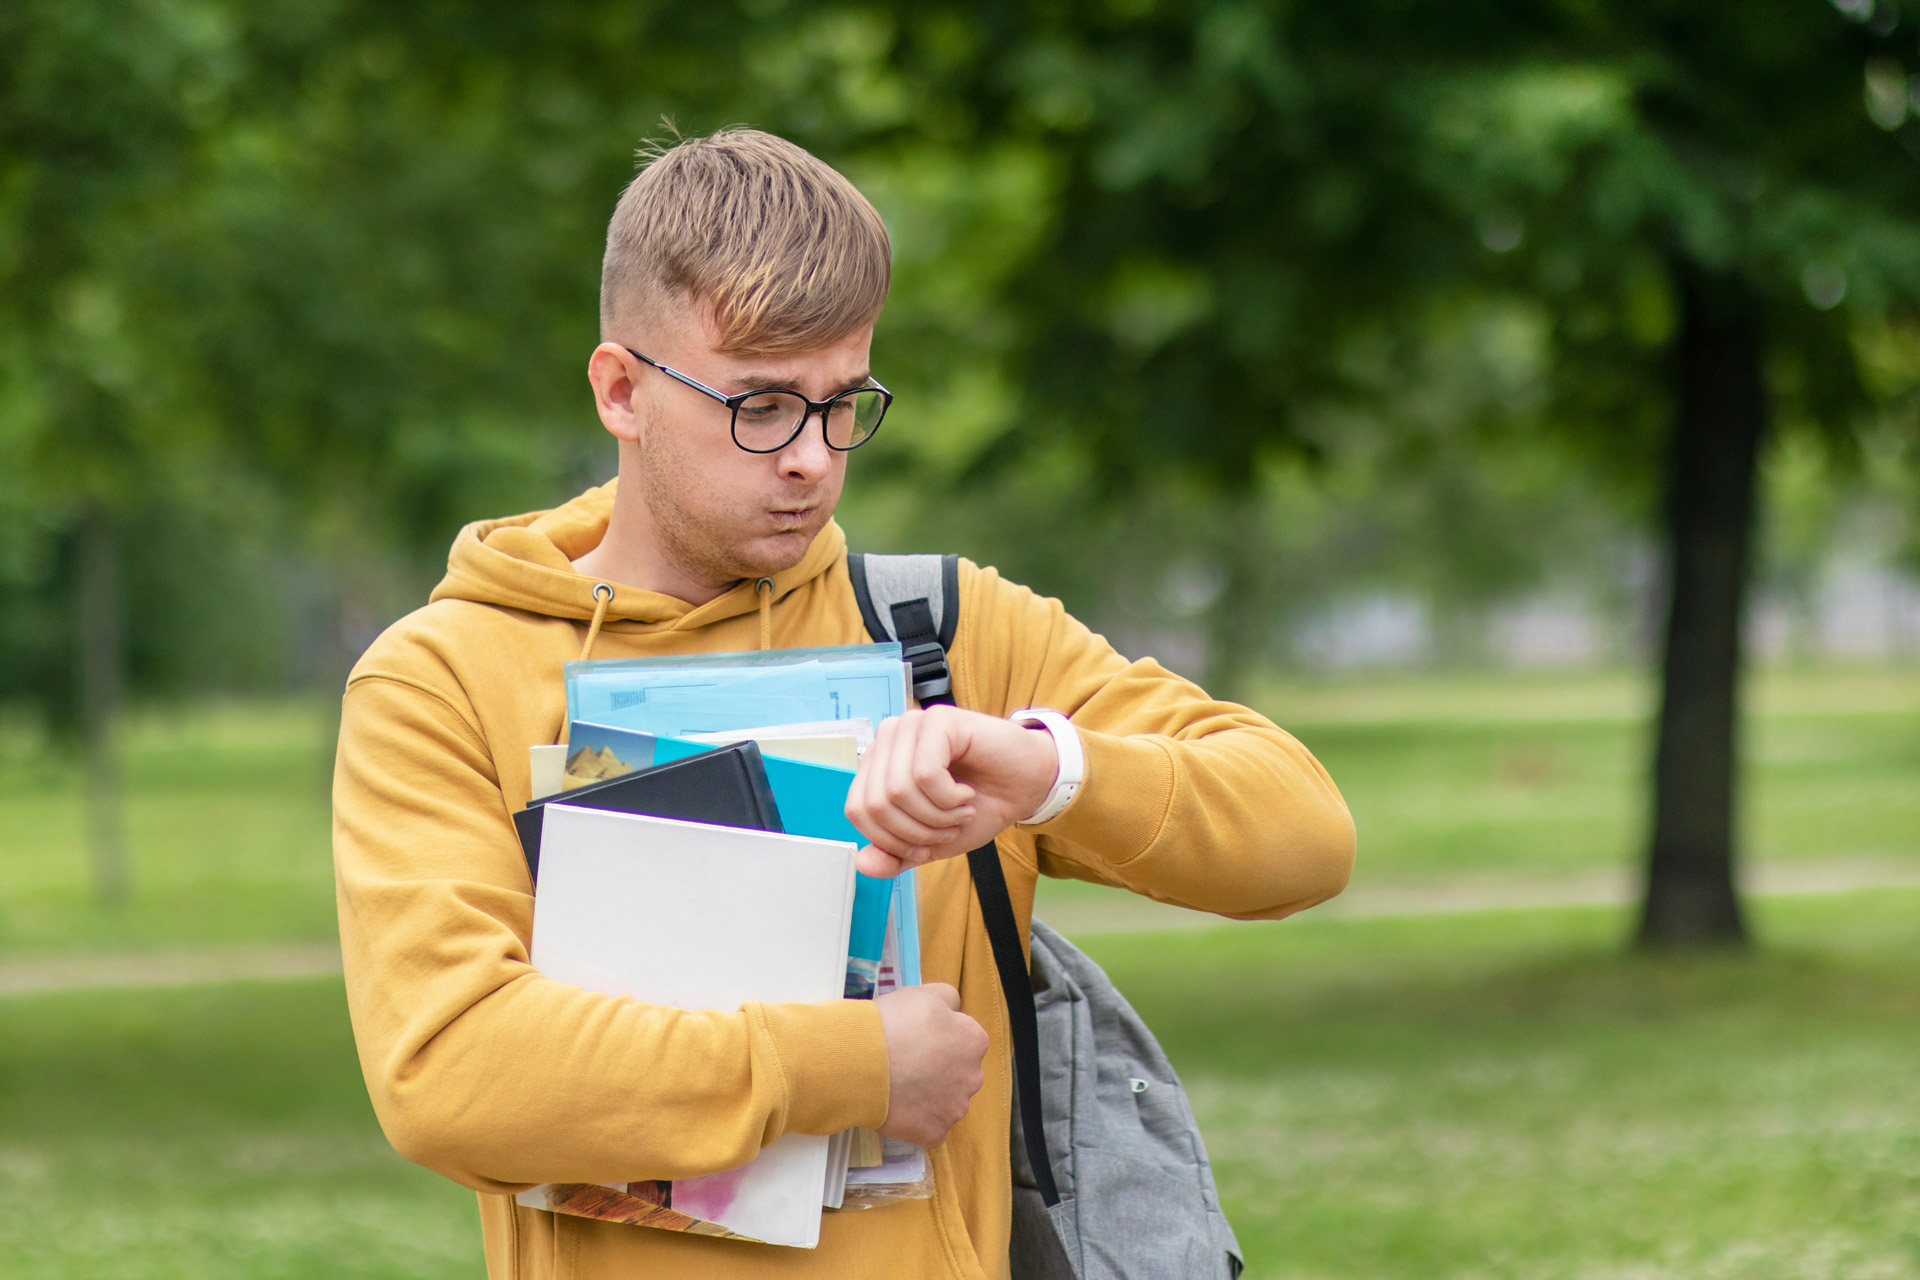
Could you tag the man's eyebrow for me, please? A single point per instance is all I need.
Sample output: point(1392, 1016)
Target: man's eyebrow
point(784, 382)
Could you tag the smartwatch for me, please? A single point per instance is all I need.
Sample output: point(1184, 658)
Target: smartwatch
point(1073, 761)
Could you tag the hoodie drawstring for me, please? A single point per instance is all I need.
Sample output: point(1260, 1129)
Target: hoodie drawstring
point(764, 590)
point(602, 596)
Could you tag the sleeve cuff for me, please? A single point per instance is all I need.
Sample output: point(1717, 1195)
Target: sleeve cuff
point(834, 1057)
point(1122, 805)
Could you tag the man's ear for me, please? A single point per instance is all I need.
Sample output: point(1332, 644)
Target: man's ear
point(615, 376)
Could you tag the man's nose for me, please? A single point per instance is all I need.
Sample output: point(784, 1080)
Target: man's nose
point(807, 456)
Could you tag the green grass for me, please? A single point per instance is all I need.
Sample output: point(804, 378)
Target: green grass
point(1449, 778)
point(1441, 799)
point(1508, 1096)
point(1498, 1095)
point(228, 834)
point(205, 1134)
point(1543, 774)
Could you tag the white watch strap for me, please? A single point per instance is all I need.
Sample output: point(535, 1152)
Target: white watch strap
point(1073, 760)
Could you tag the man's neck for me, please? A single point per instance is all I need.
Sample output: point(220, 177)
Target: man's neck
point(633, 554)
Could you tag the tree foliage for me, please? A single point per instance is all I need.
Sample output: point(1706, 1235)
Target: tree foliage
point(290, 289)
point(1265, 211)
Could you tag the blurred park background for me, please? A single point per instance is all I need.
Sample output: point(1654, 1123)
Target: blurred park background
point(1519, 400)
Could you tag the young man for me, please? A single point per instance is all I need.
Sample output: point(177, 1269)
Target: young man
point(740, 264)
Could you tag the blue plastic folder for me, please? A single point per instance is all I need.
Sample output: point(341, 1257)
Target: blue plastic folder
point(717, 692)
point(812, 799)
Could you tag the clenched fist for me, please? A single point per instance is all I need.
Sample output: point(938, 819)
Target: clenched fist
point(933, 1061)
point(942, 781)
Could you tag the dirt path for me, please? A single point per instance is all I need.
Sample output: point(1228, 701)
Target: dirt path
point(169, 968)
point(1078, 913)
point(1082, 912)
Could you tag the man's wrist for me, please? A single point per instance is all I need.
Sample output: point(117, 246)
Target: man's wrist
point(1071, 761)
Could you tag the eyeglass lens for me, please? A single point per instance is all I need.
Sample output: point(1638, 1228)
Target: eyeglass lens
point(768, 420)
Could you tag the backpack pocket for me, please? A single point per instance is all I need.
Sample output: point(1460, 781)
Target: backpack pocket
point(1139, 1220)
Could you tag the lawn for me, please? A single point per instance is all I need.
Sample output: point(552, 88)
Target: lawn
point(1507, 1096)
point(1494, 1095)
point(1449, 778)
point(206, 1133)
point(1501, 1094)
point(1537, 773)
point(227, 830)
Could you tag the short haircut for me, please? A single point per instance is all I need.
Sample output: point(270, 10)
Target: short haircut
point(788, 253)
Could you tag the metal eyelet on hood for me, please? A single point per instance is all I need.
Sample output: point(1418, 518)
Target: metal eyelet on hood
point(602, 596)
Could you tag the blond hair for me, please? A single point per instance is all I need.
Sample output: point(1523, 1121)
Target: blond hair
point(788, 253)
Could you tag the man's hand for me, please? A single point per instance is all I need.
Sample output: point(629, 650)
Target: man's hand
point(942, 781)
point(933, 1061)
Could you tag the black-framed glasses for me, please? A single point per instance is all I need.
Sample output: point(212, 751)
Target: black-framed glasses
point(769, 421)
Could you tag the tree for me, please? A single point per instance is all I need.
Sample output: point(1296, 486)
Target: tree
point(319, 278)
point(94, 136)
point(336, 258)
point(1261, 209)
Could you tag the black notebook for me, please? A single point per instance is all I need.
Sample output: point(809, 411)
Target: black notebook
point(727, 787)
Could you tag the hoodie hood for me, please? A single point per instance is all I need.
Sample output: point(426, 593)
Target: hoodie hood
point(526, 562)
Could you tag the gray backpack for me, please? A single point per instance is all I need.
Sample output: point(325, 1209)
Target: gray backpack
point(1114, 1183)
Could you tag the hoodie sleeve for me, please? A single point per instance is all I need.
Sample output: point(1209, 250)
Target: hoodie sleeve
point(489, 1073)
point(1187, 799)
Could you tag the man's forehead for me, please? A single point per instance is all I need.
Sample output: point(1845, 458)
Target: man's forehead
point(838, 366)
point(798, 372)
point(835, 367)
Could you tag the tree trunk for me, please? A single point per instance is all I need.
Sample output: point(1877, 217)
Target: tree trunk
point(99, 673)
point(1720, 422)
point(1237, 639)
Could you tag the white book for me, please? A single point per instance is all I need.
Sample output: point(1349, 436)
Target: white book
point(697, 917)
point(834, 1194)
point(547, 769)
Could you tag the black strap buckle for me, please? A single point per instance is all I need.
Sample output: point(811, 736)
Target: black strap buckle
point(931, 679)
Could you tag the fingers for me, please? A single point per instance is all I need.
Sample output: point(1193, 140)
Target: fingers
point(905, 799)
point(921, 770)
point(916, 785)
point(935, 1054)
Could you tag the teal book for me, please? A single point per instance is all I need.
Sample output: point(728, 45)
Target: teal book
point(812, 800)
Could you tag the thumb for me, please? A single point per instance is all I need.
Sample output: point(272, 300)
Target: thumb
point(878, 863)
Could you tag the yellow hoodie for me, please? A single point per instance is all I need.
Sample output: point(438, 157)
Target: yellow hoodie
point(491, 1074)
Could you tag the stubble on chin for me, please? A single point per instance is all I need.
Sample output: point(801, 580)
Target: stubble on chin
point(724, 549)
point(722, 546)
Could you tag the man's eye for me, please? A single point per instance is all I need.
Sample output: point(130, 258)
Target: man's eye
point(764, 408)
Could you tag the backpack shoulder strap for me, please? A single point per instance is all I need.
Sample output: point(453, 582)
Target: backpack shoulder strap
point(916, 600)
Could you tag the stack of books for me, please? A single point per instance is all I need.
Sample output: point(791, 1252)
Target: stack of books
point(690, 847)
